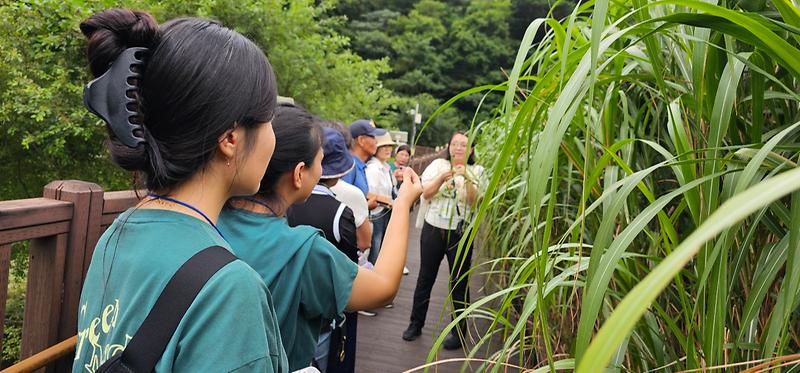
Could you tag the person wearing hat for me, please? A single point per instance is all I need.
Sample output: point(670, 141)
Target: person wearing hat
point(381, 183)
point(363, 148)
point(322, 210)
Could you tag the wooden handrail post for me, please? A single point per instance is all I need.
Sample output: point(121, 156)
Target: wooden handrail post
point(57, 268)
point(84, 232)
point(43, 294)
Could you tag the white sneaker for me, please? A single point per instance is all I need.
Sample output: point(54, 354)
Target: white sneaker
point(367, 313)
point(390, 305)
point(405, 271)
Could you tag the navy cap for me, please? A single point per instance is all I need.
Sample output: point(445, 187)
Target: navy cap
point(363, 127)
point(336, 161)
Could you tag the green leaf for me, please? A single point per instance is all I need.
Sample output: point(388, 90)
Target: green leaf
point(628, 312)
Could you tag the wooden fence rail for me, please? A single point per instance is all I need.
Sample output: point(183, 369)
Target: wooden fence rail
point(418, 163)
point(63, 228)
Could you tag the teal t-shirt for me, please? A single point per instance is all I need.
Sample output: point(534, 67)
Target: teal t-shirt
point(309, 278)
point(230, 326)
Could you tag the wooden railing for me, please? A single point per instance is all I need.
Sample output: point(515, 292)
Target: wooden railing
point(421, 151)
point(63, 228)
point(419, 162)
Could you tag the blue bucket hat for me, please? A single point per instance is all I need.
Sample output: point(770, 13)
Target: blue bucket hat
point(363, 127)
point(336, 160)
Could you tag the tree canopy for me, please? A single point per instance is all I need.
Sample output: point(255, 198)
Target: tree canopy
point(47, 134)
point(342, 60)
point(438, 49)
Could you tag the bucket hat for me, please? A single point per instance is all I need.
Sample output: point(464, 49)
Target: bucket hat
point(336, 160)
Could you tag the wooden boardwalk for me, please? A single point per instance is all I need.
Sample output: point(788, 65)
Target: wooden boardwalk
point(380, 346)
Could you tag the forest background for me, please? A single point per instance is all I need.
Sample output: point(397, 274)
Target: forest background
point(342, 60)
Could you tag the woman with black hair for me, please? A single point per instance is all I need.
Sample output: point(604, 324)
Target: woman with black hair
point(323, 210)
point(402, 156)
point(451, 187)
point(311, 281)
point(188, 106)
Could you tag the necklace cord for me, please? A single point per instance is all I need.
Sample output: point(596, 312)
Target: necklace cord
point(184, 204)
point(261, 203)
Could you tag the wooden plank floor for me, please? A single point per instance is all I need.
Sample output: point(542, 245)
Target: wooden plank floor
point(380, 346)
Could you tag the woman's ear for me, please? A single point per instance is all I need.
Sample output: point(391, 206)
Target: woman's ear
point(229, 141)
point(297, 175)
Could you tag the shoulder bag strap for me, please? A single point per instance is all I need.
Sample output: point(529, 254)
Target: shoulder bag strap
point(150, 341)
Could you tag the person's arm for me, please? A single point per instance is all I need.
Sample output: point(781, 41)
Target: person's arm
point(433, 177)
point(375, 175)
point(377, 287)
point(433, 187)
point(384, 200)
point(364, 235)
point(372, 201)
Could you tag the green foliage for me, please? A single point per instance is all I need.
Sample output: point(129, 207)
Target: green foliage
point(417, 39)
point(350, 7)
point(421, 49)
point(524, 11)
point(642, 212)
point(47, 134)
point(15, 304)
point(442, 48)
point(12, 330)
point(438, 130)
point(311, 61)
point(479, 39)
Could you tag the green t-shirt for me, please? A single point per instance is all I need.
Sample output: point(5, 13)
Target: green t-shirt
point(309, 278)
point(230, 326)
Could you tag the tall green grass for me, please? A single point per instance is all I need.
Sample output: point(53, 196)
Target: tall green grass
point(643, 209)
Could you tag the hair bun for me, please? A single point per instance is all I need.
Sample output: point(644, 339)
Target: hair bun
point(112, 31)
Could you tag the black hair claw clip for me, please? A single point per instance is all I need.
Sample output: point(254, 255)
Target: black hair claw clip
point(107, 96)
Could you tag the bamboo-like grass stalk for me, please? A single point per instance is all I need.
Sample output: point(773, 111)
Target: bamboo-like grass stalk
point(641, 209)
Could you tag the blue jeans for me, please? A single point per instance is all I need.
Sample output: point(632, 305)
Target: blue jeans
point(321, 352)
point(379, 223)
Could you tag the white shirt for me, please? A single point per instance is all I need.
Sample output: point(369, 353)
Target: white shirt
point(449, 206)
point(380, 180)
point(354, 199)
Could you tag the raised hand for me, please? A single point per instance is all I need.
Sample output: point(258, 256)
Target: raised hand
point(411, 188)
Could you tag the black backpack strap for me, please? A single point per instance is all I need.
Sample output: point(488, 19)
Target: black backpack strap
point(148, 344)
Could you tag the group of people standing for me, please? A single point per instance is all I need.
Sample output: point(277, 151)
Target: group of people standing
point(191, 107)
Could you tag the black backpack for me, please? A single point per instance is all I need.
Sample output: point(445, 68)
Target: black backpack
point(148, 344)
